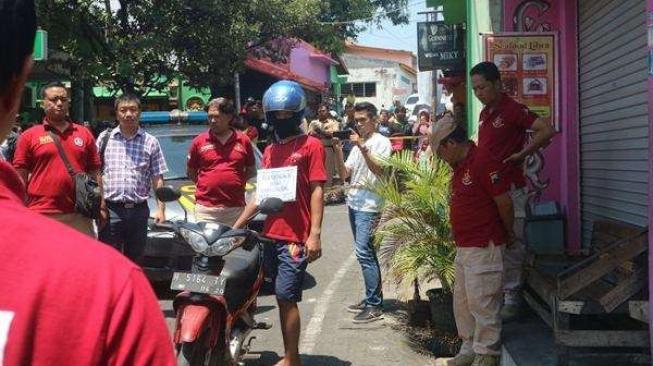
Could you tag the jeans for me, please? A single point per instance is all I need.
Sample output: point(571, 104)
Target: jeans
point(362, 225)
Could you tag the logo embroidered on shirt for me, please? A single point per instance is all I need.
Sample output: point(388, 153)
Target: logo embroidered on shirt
point(467, 178)
point(78, 141)
point(45, 140)
point(207, 147)
point(498, 122)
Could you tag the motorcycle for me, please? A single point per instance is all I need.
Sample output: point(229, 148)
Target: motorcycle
point(216, 306)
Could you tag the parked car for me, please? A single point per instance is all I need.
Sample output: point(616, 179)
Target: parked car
point(411, 101)
point(164, 251)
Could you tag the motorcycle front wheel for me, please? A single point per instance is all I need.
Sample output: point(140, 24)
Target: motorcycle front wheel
point(198, 353)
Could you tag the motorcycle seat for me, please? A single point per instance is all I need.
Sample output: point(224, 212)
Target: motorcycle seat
point(241, 269)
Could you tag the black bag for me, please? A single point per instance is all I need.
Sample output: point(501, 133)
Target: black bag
point(87, 189)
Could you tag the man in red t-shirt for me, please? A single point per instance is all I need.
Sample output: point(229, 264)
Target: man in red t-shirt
point(503, 128)
point(298, 226)
point(50, 187)
point(220, 162)
point(481, 216)
point(65, 299)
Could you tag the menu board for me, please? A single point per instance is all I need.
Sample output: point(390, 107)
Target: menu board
point(529, 69)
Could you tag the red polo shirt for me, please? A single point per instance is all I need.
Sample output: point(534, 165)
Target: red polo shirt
point(502, 132)
point(293, 223)
point(50, 189)
point(221, 169)
point(70, 300)
point(474, 215)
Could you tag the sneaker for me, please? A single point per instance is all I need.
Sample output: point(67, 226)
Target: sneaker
point(369, 314)
point(509, 312)
point(461, 359)
point(485, 360)
point(356, 308)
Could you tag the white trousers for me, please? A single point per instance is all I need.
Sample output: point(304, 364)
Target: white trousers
point(514, 255)
point(477, 298)
point(223, 215)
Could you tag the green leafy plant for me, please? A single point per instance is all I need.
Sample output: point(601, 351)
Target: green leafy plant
point(414, 234)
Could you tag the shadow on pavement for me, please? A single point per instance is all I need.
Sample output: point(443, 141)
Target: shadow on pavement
point(270, 358)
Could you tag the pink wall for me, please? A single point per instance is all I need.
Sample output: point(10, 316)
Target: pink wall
point(302, 64)
point(562, 156)
point(649, 24)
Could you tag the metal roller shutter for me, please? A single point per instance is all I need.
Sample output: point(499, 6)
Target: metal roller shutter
point(613, 112)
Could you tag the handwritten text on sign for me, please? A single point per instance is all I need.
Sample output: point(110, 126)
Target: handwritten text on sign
point(277, 182)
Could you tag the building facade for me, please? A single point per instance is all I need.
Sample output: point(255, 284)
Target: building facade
point(379, 76)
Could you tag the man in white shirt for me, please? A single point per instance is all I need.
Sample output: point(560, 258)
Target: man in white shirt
point(363, 168)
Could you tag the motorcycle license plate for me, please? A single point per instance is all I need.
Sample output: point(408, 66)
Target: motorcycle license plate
point(195, 282)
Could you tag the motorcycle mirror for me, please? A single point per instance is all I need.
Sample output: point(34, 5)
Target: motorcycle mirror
point(270, 205)
point(167, 194)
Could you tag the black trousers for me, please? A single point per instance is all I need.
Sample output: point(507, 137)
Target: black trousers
point(127, 229)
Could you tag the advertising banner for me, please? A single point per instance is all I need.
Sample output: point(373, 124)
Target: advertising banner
point(528, 63)
point(440, 46)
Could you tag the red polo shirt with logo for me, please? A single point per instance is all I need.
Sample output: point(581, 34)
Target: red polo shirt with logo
point(221, 168)
point(293, 223)
point(50, 188)
point(69, 300)
point(502, 132)
point(475, 219)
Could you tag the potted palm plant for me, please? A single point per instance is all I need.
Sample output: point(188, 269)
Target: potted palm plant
point(414, 234)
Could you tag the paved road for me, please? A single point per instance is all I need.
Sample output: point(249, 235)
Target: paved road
point(329, 338)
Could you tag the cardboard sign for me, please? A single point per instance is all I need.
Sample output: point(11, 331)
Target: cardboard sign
point(277, 182)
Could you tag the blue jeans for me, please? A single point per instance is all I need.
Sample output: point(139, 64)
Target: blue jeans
point(362, 225)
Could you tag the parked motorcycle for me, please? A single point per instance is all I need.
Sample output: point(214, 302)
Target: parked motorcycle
point(215, 310)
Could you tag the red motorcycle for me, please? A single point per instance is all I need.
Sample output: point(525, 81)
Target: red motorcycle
point(215, 310)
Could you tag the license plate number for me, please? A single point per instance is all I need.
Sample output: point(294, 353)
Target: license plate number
point(195, 282)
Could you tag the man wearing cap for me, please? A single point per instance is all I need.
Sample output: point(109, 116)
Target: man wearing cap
point(481, 218)
point(503, 127)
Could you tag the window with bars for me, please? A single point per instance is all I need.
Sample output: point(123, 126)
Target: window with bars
point(359, 89)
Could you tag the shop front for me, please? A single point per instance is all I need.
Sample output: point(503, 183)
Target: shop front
point(585, 66)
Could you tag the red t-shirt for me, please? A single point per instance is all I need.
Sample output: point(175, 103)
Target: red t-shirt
point(69, 300)
point(502, 132)
point(221, 169)
point(50, 189)
point(475, 218)
point(293, 223)
point(252, 133)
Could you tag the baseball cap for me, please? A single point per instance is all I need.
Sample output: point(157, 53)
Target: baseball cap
point(441, 129)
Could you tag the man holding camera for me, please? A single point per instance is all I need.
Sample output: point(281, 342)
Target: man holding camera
point(363, 169)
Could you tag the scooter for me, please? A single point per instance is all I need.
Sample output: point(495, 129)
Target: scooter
point(215, 310)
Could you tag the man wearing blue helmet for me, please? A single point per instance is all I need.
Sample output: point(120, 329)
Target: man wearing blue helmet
point(297, 227)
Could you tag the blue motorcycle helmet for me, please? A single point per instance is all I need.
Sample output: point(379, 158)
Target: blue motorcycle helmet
point(284, 95)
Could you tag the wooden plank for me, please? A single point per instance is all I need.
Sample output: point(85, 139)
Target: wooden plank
point(543, 288)
point(602, 338)
point(639, 310)
point(599, 265)
point(571, 307)
point(623, 291)
point(538, 308)
point(631, 359)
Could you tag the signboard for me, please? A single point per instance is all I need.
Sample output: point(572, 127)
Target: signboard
point(528, 63)
point(276, 182)
point(440, 46)
point(40, 52)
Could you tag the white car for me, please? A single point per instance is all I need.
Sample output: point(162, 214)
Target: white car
point(411, 101)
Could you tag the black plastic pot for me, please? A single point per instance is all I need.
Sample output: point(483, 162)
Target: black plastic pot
point(442, 318)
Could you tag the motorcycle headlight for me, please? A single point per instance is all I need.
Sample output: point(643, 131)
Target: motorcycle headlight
point(194, 239)
point(223, 246)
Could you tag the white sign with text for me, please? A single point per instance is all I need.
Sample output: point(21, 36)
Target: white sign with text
point(277, 182)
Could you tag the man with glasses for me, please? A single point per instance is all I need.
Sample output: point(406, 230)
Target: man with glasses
point(50, 188)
